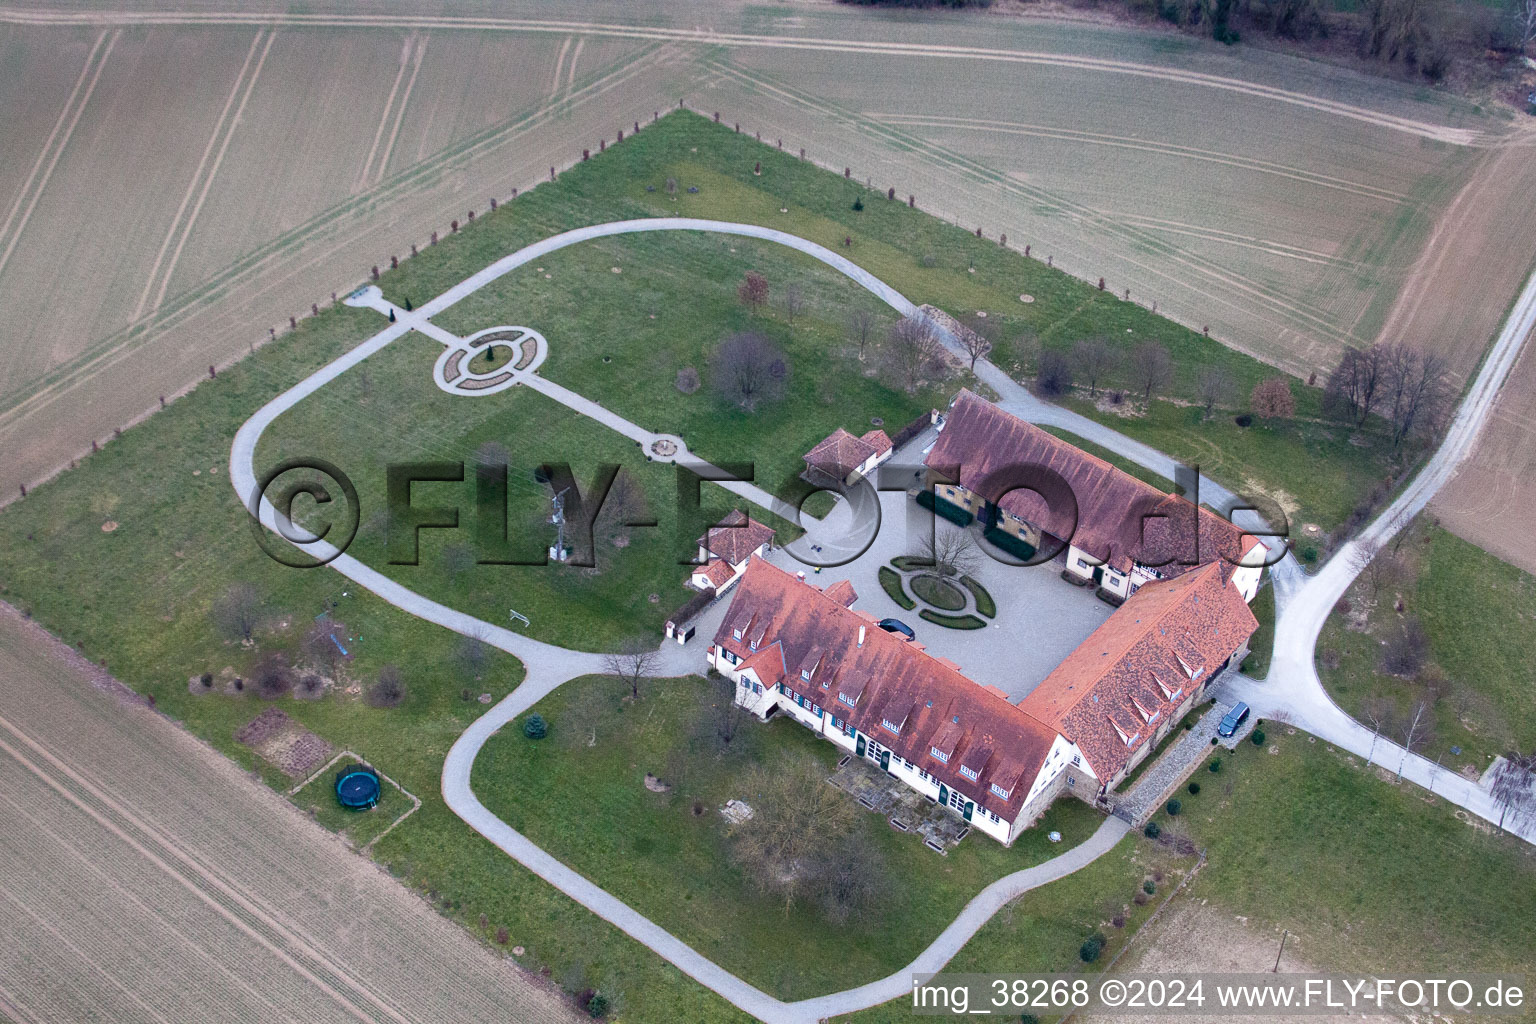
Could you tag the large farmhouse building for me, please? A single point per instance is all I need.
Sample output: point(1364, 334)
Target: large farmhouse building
point(1033, 492)
point(1182, 621)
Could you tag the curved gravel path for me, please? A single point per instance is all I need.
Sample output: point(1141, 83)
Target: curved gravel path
point(1292, 687)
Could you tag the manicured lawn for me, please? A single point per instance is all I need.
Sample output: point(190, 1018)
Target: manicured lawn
point(588, 806)
point(1041, 931)
point(139, 597)
point(939, 593)
point(622, 338)
point(1481, 673)
point(890, 582)
point(318, 799)
point(1307, 466)
point(1372, 876)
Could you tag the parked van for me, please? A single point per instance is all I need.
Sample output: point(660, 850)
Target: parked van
point(1235, 718)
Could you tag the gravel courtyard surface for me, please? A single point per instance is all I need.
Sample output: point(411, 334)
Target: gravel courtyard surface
point(147, 879)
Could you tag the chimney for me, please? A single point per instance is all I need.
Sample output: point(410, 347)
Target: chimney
point(861, 636)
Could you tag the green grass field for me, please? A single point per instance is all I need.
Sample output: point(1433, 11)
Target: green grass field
point(586, 804)
point(1372, 876)
point(1481, 670)
point(138, 597)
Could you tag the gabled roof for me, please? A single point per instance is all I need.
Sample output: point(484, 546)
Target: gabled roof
point(1077, 497)
point(717, 571)
point(888, 676)
point(878, 440)
point(736, 537)
point(843, 593)
point(840, 453)
point(1107, 695)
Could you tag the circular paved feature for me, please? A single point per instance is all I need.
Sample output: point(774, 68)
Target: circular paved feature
point(455, 370)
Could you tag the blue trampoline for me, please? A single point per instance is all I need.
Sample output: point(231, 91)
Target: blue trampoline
point(357, 787)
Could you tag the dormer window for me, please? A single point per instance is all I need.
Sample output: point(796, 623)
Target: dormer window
point(970, 773)
point(893, 726)
point(1000, 791)
point(805, 674)
point(847, 699)
point(736, 633)
point(754, 645)
point(936, 752)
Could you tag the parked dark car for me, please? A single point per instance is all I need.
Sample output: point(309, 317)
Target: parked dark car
point(1236, 717)
point(898, 627)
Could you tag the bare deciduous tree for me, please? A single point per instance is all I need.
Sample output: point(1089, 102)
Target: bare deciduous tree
point(271, 675)
point(1355, 384)
point(1415, 389)
point(472, 654)
point(862, 324)
point(797, 820)
point(318, 648)
point(633, 662)
point(724, 714)
point(1379, 713)
point(1094, 359)
point(949, 553)
point(749, 369)
point(238, 611)
point(389, 690)
point(977, 338)
point(912, 350)
point(753, 290)
point(1406, 651)
point(1151, 368)
point(1216, 387)
point(1055, 376)
point(1026, 347)
point(1514, 788)
point(1418, 729)
point(793, 300)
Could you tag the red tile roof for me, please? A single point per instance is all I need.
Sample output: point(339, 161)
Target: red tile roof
point(1124, 681)
point(840, 453)
point(717, 571)
point(843, 593)
point(1102, 510)
point(736, 537)
point(886, 676)
point(878, 440)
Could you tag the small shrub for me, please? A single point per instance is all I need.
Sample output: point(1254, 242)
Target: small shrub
point(1194, 787)
point(1028, 1018)
point(502, 935)
point(1174, 807)
point(1092, 946)
point(597, 1006)
point(1118, 921)
point(1342, 606)
point(1214, 741)
point(389, 691)
point(206, 679)
point(1244, 420)
point(311, 684)
point(1258, 737)
point(687, 380)
point(1215, 766)
point(465, 695)
point(1153, 830)
point(1149, 887)
point(1140, 899)
point(1308, 554)
point(858, 203)
point(1055, 373)
point(535, 728)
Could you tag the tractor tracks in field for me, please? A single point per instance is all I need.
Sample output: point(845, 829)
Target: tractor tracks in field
point(1424, 129)
point(259, 921)
point(330, 227)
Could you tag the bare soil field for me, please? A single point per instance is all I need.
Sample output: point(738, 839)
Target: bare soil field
point(1193, 936)
point(1281, 203)
point(147, 879)
point(1289, 243)
point(286, 244)
point(1492, 500)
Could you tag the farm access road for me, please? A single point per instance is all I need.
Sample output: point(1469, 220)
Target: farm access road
point(147, 878)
